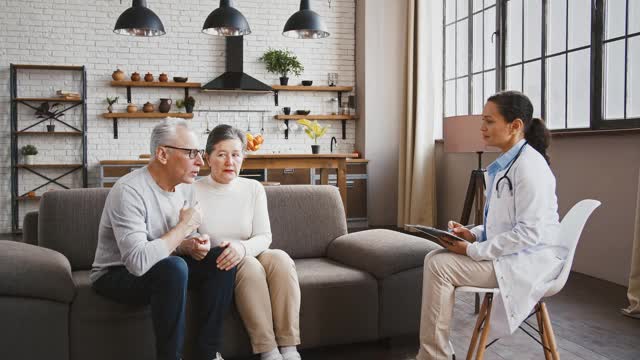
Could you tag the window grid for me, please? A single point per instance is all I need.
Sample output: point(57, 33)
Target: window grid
point(597, 67)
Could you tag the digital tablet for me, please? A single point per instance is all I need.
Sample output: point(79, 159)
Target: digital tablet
point(436, 233)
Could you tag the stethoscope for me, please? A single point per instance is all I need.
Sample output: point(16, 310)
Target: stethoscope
point(506, 177)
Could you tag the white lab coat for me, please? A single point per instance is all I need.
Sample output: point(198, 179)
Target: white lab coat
point(521, 240)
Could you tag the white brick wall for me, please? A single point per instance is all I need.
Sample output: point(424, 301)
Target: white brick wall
point(78, 32)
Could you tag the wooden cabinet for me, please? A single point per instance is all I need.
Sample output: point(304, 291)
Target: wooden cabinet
point(289, 176)
point(356, 191)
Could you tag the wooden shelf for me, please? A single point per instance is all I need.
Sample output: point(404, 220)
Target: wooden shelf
point(54, 133)
point(168, 84)
point(52, 99)
point(49, 166)
point(24, 198)
point(316, 117)
point(144, 115)
point(311, 88)
point(48, 67)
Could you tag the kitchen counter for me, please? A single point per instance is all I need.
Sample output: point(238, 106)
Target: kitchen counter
point(324, 162)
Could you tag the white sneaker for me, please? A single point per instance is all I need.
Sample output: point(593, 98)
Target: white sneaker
point(630, 314)
point(291, 355)
point(218, 357)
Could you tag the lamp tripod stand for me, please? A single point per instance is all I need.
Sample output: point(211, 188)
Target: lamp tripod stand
point(475, 191)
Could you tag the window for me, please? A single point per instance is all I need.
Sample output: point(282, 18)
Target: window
point(577, 60)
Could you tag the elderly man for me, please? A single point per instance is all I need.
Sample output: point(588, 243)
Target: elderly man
point(149, 253)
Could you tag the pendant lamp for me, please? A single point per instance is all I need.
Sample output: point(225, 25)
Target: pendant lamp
point(305, 24)
point(226, 21)
point(139, 20)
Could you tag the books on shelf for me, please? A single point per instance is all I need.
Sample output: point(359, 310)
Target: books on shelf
point(68, 95)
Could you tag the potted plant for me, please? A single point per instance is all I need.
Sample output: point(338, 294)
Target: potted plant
point(51, 113)
point(314, 131)
point(189, 103)
point(29, 152)
point(282, 62)
point(111, 101)
point(180, 104)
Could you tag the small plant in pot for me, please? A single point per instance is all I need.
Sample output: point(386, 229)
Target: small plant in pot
point(50, 112)
point(180, 104)
point(282, 62)
point(29, 152)
point(189, 103)
point(314, 131)
point(111, 101)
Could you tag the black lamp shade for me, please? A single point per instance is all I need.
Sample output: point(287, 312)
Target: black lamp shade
point(139, 20)
point(226, 21)
point(305, 24)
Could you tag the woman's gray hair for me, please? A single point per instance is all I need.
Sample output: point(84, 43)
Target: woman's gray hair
point(165, 133)
point(225, 132)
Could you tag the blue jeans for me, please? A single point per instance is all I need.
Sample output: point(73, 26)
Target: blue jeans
point(164, 287)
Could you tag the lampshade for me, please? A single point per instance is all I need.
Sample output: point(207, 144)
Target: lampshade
point(139, 20)
point(305, 24)
point(226, 21)
point(461, 134)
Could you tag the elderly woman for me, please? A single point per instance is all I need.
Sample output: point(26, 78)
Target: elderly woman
point(236, 218)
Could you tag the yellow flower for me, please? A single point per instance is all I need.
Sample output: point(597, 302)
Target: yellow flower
point(313, 129)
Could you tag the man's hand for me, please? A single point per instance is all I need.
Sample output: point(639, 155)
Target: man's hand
point(460, 231)
point(197, 247)
point(231, 256)
point(190, 217)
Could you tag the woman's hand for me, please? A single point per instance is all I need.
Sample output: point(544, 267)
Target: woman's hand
point(231, 256)
point(197, 247)
point(461, 231)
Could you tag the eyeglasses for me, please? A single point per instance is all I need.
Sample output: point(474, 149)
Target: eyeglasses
point(192, 152)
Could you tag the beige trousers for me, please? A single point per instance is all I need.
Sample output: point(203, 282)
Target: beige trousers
point(267, 296)
point(443, 272)
point(634, 275)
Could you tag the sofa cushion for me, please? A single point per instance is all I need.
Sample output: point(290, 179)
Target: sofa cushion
point(33, 272)
point(381, 252)
point(339, 303)
point(305, 218)
point(68, 223)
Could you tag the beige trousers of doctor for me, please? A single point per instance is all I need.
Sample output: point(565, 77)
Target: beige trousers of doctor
point(267, 295)
point(443, 272)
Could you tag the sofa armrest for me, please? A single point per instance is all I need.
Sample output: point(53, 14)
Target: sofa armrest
point(381, 252)
point(31, 271)
point(30, 228)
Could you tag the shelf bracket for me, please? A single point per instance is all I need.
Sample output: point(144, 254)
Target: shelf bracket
point(344, 129)
point(340, 102)
point(128, 94)
point(115, 128)
point(286, 131)
point(275, 96)
point(186, 93)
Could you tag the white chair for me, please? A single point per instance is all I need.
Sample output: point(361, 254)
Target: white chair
point(570, 230)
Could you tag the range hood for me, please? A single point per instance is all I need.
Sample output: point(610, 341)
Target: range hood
point(234, 79)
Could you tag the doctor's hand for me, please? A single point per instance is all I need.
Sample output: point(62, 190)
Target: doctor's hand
point(197, 247)
point(455, 246)
point(231, 256)
point(460, 231)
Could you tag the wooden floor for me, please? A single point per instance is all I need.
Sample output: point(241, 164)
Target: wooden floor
point(585, 317)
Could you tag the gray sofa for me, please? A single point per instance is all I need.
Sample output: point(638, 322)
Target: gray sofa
point(355, 287)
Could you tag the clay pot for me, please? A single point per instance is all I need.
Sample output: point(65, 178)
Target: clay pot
point(135, 77)
point(148, 107)
point(148, 77)
point(131, 108)
point(118, 75)
point(165, 105)
point(163, 77)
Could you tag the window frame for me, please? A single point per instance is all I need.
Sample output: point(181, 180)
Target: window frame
point(597, 119)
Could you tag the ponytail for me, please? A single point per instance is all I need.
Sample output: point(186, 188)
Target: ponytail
point(538, 136)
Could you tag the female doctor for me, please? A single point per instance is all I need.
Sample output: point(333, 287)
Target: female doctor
point(517, 250)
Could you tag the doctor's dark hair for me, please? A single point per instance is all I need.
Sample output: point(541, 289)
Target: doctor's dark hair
point(224, 132)
point(516, 105)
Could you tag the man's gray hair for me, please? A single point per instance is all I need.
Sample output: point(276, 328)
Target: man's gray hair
point(165, 133)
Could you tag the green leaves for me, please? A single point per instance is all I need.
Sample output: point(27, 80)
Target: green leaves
point(282, 62)
point(313, 129)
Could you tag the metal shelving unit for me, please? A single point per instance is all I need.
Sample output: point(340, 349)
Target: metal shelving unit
point(16, 197)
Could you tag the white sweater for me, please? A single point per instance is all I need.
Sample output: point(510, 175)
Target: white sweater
point(235, 212)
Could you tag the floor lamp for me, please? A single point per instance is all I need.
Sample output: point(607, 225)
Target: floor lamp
point(461, 134)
